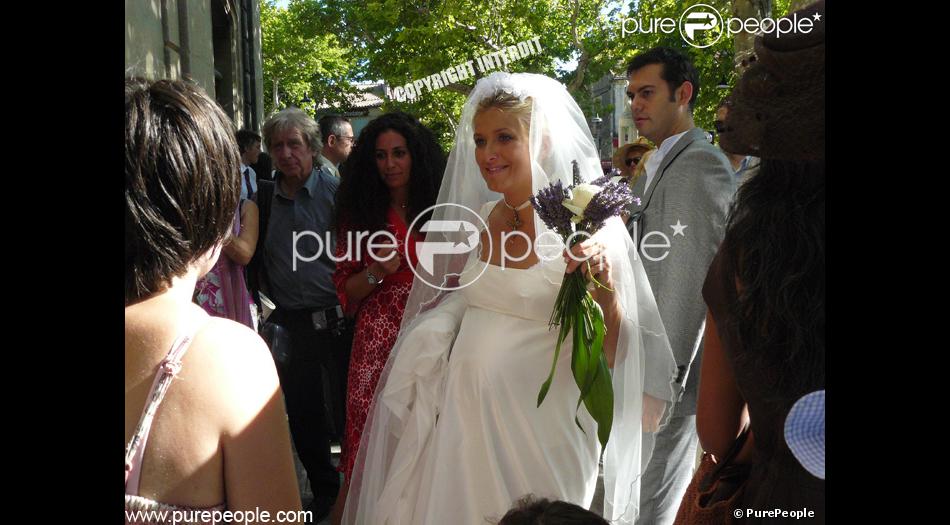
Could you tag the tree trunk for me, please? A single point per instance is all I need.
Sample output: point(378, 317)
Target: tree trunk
point(795, 5)
point(743, 9)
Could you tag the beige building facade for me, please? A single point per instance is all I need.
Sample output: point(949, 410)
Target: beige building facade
point(216, 43)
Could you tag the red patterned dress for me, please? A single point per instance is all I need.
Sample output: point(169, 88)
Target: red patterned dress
point(378, 317)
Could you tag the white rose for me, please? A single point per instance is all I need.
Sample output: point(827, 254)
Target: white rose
point(581, 197)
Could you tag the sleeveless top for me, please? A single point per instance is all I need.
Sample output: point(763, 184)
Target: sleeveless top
point(222, 292)
point(145, 511)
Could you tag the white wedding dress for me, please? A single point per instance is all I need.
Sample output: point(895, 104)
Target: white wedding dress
point(492, 444)
point(455, 435)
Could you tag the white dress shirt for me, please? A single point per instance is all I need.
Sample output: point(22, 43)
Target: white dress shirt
point(252, 175)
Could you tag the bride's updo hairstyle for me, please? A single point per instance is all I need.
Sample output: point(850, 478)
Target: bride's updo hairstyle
point(508, 103)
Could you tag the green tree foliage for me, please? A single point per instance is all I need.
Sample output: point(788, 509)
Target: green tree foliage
point(399, 41)
point(305, 60)
point(320, 43)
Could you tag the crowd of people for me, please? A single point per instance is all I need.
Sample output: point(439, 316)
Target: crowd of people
point(255, 280)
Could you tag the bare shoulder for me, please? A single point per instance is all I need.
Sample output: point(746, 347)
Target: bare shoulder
point(239, 377)
point(231, 342)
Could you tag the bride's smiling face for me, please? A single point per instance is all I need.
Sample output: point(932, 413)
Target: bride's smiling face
point(501, 150)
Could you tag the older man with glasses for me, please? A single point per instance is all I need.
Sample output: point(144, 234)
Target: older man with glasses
point(307, 332)
point(338, 141)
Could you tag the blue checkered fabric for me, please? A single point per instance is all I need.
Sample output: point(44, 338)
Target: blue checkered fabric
point(805, 432)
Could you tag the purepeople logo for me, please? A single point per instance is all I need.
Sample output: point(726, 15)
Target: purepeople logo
point(458, 237)
point(702, 25)
point(447, 237)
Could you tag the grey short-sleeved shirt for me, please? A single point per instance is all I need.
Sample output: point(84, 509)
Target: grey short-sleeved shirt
point(308, 217)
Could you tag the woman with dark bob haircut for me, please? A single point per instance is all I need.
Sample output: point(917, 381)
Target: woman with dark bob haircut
point(217, 438)
point(392, 175)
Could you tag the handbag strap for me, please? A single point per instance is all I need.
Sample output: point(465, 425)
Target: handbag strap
point(724, 480)
point(740, 442)
point(733, 452)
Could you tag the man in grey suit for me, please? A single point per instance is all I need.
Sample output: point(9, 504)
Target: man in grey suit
point(685, 193)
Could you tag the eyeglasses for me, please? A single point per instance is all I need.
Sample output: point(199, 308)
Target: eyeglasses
point(343, 137)
point(632, 160)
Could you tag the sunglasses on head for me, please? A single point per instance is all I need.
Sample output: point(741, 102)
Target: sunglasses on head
point(632, 160)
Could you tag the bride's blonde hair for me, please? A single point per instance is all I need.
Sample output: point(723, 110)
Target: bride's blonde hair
point(509, 103)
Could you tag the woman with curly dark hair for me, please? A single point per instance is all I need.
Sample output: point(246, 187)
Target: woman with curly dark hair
point(765, 290)
point(392, 175)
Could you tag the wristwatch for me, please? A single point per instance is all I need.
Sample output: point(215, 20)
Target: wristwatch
point(372, 279)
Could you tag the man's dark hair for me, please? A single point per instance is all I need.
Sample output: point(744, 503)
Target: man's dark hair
point(531, 511)
point(264, 166)
point(246, 139)
point(332, 125)
point(677, 68)
point(182, 181)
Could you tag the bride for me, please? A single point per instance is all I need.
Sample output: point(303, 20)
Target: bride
point(455, 434)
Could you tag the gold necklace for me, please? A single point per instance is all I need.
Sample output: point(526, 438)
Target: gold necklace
point(516, 223)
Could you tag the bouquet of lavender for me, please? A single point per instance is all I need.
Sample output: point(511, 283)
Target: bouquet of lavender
point(583, 208)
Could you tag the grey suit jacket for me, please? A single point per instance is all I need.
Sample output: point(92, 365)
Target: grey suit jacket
point(693, 185)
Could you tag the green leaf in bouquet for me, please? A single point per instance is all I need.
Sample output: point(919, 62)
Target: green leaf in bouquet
point(577, 314)
point(583, 340)
point(565, 327)
point(560, 317)
point(595, 343)
point(600, 399)
point(592, 378)
point(600, 403)
point(558, 313)
point(580, 362)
